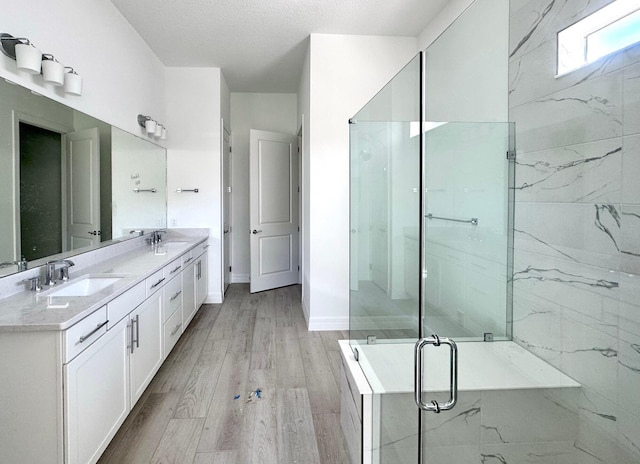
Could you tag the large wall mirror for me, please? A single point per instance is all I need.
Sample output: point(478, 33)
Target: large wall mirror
point(69, 182)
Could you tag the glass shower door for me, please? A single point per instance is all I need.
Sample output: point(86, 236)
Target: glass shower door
point(466, 259)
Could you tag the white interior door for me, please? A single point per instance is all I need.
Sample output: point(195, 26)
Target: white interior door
point(273, 210)
point(226, 210)
point(83, 193)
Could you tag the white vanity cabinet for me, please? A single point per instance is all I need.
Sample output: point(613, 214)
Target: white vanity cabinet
point(65, 393)
point(145, 344)
point(96, 395)
point(201, 279)
point(194, 282)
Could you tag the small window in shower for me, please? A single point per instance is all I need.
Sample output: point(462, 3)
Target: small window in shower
point(608, 30)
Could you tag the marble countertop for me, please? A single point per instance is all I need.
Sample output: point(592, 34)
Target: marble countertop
point(37, 311)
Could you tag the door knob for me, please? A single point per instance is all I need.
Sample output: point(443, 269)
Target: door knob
point(254, 232)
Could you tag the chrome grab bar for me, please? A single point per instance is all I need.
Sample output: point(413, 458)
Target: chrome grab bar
point(138, 190)
point(453, 374)
point(180, 190)
point(473, 221)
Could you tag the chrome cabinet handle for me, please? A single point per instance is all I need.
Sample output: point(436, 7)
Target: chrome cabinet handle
point(175, 330)
point(137, 330)
point(85, 337)
point(131, 334)
point(453, 374)
point(176, 269)
point(189, 260)
point(254, 231)
point(158, 283)
point(175, 296)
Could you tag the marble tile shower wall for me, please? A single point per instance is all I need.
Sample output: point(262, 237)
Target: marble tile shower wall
point(577, 223)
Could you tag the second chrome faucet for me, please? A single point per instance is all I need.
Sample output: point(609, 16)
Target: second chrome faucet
point(52, 266)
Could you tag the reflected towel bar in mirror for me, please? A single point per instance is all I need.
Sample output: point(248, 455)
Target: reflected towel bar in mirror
point(473, 221)
point(180, 190)
point(137, 190)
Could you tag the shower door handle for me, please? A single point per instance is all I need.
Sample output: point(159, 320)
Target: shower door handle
point(453, 373)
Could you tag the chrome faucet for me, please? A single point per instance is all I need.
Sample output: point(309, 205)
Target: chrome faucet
point(22, 264)
point(50, 270)
point(156, 237)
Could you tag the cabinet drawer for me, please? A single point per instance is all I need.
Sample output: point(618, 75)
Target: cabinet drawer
point(154, 282)
point(173, 269)
point(84, 333)
point(172, 297)
point(172, 331)
point(188, 258)
point(200, 249)
point(121, 306)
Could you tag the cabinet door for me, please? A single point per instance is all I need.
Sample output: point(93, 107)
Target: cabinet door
point(145, 346)
point(201, 280)
point(188, 294)
point(96, 396)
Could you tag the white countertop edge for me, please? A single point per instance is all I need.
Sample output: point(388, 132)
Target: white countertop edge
point(27, 301)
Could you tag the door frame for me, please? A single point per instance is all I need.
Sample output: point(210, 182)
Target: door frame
point(224, 132)
point(33, 120)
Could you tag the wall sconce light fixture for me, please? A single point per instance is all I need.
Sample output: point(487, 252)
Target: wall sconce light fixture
point(152, 127)
point(31, 60)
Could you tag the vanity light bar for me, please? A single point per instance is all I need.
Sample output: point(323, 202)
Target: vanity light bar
point(31, 60)
point(153, 127)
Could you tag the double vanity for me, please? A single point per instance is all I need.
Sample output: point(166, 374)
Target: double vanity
point(77, 356)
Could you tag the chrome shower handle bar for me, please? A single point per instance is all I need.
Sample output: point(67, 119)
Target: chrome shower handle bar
point(473, 221)
point(453, 374)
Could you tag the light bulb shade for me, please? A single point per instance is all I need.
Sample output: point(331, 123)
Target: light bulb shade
point(158, 131)
point(28, 58)
point(163, 136)
point(73, 83)
point(53, 72)
point(150, 125)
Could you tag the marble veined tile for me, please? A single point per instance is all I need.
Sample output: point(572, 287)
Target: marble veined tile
point(583, 113)
point(630, 303)
point(539, 21)
point(525, 416)
point(629, 372)
point(629, 438)
point(630, 239)
point(631, 95)
point(530, 453)
point(537, 326)
point(467, 454)
point(533, 75)
point(583, 173)
point(590, 357)
point(587, 290)
point(631, 168)
point(458, 426)
point(576, 232)
point(591, 408)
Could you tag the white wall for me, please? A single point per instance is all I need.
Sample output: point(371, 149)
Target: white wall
point(448, 14)
point(467, 66)
point(122, 76)
point(304, 112)
point(345, 72)
point(275, 112)
point(193, 157)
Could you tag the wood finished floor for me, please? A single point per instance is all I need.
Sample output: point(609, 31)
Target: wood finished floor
point(188, 414)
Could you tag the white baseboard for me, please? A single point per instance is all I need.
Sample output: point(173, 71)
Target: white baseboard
point(328, 323)
point(305, 311)
point(240, 278)
point(214, 298)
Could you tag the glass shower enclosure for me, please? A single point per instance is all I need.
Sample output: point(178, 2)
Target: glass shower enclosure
point(430, 255)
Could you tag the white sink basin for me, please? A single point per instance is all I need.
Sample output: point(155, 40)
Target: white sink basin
point(85, 287)
point(163, 247)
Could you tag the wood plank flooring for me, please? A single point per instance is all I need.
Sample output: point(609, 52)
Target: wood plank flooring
point(189, 414)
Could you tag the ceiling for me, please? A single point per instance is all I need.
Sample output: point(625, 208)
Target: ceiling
point(260, 45)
